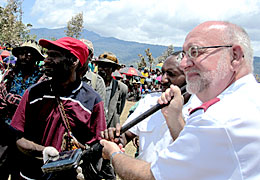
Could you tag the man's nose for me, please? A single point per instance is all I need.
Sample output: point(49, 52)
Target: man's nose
point(22, 56)
point(164, 78)
point(186, 63)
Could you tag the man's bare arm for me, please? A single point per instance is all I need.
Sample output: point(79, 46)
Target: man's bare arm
point(129, 168)
point(30, 148)
point(125, 166)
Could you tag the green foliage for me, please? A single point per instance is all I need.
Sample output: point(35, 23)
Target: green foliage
point(142, 62)
point(75, 26)
point(165, 54)
point(149, 57)
point(12, 30)
point(151, 60)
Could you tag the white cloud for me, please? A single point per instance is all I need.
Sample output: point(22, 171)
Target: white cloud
point(3, 2)
point(151, 21)
point(80, 3)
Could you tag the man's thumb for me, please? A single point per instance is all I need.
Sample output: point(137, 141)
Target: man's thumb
point(103, 141)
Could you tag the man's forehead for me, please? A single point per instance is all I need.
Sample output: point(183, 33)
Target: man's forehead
point(170, 64)
point(205, 36)
point(171, 60)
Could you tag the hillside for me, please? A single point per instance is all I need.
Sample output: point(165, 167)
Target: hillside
point(126, 51)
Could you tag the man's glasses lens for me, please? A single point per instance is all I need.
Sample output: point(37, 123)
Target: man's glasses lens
point(193, 51)
point(181, 55)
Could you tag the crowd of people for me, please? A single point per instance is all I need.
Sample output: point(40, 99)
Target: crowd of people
point(74, 101)
point(145, 82)
point(149, 81)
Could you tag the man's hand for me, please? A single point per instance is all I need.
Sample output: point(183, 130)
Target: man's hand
point(109, 148)
point(80, 175)
point(50, 153)
point(173, 112)
point(113, 134)
point(125, 166)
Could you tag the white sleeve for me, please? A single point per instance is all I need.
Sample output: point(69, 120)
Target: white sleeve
point(144, 104)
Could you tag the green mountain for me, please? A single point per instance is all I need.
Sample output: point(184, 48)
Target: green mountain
point(126, 51)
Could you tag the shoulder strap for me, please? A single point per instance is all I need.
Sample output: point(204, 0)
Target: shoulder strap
point(67, 124)
point(63, 115)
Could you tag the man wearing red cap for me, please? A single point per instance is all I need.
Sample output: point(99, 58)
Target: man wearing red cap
point(58, 111)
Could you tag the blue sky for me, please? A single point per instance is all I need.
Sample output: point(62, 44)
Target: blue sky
point(161, 22)
point(27, 8)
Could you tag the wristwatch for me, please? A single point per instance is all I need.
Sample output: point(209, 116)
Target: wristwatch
point(113, 154)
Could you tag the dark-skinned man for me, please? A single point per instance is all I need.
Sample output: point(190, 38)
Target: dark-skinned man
point(116, 91)
point(58, 111)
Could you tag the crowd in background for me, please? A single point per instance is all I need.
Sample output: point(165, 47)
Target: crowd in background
point(147, 81)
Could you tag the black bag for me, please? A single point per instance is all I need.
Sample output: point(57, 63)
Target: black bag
point(94, 167)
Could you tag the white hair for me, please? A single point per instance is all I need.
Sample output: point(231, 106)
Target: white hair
point(237, 35)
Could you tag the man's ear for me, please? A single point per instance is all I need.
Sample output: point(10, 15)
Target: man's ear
point(237, 57)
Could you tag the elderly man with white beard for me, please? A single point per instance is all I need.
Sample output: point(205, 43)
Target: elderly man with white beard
point(221, 138)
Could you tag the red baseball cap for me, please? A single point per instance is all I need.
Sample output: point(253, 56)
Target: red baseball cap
point(75, 46)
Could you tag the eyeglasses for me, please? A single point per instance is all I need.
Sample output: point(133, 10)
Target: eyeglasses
point(194, 51)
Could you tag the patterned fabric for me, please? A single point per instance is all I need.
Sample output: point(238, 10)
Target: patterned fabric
point(8, 97)
point(19, 86)
point(11, 97)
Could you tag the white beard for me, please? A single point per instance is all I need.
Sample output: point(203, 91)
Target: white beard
point(208, 78)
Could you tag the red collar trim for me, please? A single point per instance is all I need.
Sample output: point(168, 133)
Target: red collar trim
point(205, 105)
